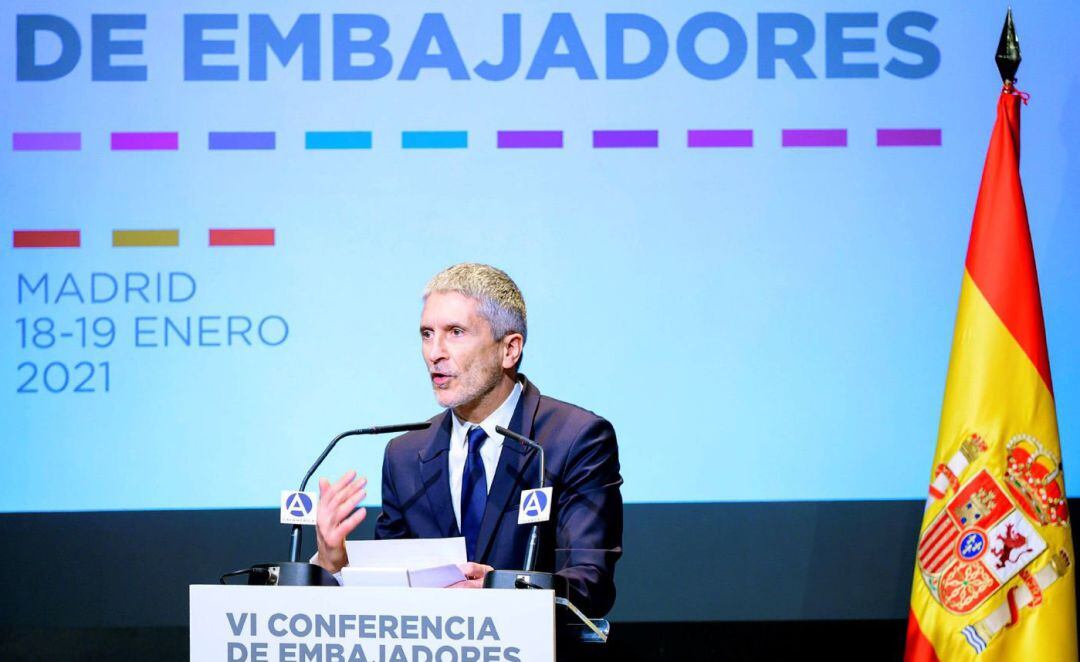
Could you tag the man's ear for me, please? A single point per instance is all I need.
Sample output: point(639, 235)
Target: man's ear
point(513, 343)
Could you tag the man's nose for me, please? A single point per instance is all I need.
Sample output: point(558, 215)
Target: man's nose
point(435, 349)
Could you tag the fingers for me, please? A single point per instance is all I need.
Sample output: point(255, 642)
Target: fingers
point(347, 493)
point(347, 506)
point(331, 496)
point(474, 570)
point(347, 525)
point(353, 521)
point(337, 504)
point(328, 491)
point(345, 480)
point(468, 583)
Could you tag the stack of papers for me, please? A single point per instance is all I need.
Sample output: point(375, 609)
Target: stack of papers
point(426, 563)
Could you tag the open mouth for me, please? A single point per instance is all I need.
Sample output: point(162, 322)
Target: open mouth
point(440, 379)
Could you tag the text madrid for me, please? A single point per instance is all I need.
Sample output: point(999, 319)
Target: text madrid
point(358, 47)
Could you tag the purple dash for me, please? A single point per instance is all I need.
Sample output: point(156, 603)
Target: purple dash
point(720, 138)
point(814, 138)
point(608, 139)
point(909, 137)
point(530, 139)
point(46, 142)
point(242, 140)
point(145, 140)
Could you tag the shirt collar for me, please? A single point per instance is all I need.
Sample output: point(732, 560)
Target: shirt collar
point(501, 417)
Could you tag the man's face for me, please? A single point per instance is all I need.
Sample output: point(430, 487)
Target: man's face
point(463, 360)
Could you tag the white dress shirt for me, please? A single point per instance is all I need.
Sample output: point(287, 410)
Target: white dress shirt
point(489, 452)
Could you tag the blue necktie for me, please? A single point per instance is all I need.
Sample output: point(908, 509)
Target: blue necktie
point(473, 491)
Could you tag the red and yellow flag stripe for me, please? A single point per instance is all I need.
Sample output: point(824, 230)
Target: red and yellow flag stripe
point(998, 395)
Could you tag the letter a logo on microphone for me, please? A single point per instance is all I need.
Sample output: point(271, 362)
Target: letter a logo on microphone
point(298, 507)
point(535, 506)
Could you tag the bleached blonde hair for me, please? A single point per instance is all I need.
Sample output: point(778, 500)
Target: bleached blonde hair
point(500, 301)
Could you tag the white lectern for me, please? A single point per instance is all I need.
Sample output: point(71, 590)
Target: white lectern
point(342, 624)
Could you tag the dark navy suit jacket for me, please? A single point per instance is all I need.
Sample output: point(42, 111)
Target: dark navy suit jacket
point(583, 539)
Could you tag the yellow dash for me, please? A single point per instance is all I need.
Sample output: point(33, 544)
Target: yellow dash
point(146, 238)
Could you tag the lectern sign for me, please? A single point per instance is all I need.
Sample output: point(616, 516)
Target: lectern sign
point(332, 624)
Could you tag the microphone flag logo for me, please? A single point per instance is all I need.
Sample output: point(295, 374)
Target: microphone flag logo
point(298, 507)
point(535, 506)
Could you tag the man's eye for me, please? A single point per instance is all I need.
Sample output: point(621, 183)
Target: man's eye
point(425, 334)
point(457, 331)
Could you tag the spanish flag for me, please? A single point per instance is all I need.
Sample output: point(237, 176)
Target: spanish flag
point(994, 569)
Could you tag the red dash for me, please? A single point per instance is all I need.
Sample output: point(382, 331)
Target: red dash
point(45, 238)
point(242, 237)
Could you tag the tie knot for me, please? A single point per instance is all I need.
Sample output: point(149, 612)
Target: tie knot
point(477, 436)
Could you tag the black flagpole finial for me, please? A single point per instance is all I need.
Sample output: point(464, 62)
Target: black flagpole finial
point(1008, 51)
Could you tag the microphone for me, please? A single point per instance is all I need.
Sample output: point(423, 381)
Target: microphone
point(293, 572)
point(297, 530)
point(527, 577)
point(534, 535)
point(572, 620)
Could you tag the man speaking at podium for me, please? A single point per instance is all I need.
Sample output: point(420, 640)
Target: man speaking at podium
point(462, 478)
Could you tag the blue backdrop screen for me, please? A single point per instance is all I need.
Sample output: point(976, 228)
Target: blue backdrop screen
point(739, 229)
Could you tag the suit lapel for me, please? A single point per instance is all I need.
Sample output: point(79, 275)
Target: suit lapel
point(513, 461)
point(435, 476)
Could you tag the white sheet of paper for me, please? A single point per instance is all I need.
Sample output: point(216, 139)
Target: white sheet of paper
point(408, 553)
point(397, 577)
point(417, 562)
point(438, 577)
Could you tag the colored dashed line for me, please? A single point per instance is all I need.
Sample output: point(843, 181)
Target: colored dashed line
point(129, 141)
point(434, 139)
point(337, 140)
point(145, 238)
point(610, 139)
point(45, 238)
point(505, 139)
point(530, 139)
point(814, 138)
point(53, 141)
point(909, 137)
point(241, 140)
point(242, 237)
point(720, 138)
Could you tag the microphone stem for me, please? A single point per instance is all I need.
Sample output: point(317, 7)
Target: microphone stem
point(530, 552)
point(294, 542)
point(534, 535)
point(540, 450)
